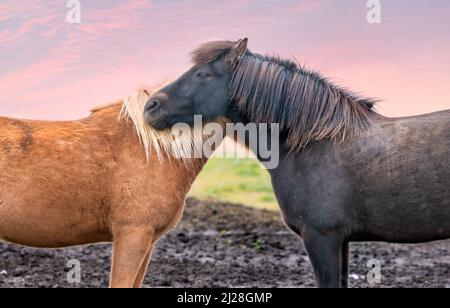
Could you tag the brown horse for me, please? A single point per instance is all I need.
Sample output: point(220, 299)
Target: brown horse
point(105, 178)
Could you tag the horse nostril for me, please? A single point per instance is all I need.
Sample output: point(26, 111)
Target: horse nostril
point(152, 105)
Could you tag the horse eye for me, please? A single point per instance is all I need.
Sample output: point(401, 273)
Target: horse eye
point(202, 75)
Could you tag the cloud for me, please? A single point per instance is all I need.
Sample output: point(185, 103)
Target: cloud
point(121, 17)
point(99, 25)
point(56, 69)
point(306, 5)
point(20, 18)
point(86, 49)
point(12, 37)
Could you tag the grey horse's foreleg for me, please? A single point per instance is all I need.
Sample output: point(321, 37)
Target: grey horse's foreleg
point(327, 254)
point(345, 265)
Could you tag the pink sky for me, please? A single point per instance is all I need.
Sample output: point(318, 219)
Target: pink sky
point(50, 69)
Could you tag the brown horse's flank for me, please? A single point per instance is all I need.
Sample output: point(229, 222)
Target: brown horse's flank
point(27, 139)
point(26, 135)
point(90, 181)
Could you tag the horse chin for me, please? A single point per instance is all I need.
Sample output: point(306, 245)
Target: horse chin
point(167, 122)
point(160, 125)
point(157, 124)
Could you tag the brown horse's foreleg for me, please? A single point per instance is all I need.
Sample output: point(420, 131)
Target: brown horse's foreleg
point(132, 245)
point(143, 270)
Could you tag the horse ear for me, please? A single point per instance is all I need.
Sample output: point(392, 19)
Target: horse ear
point(236, 53)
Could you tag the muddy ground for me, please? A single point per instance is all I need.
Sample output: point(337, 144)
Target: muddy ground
point(224, 245)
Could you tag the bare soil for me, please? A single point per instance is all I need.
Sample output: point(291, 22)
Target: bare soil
point(226, 245)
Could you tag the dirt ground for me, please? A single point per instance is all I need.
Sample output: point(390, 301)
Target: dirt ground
point(224, 245)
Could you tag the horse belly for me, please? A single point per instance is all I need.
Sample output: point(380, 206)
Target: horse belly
point(403, 222)
point(46, 226)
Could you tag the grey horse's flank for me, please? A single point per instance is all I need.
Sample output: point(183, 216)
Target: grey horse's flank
point(346, 173)
point(389, 185)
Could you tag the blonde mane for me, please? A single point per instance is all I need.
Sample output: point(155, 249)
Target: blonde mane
point(163, 143)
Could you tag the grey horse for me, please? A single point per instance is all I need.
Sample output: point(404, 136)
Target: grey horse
point(346, 173)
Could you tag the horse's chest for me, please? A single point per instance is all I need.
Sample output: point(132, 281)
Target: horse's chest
point(306, 199)
point(291, 205)
point(169, 219)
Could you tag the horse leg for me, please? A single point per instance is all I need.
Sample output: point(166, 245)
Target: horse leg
point(345, 265)
point(143, 270)
point(132, 245)
point(326, 255)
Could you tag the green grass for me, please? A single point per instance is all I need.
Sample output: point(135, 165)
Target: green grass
point(235, 180)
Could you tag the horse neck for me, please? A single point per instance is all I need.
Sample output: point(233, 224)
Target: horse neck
point(307, 106)
point(235, 116)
